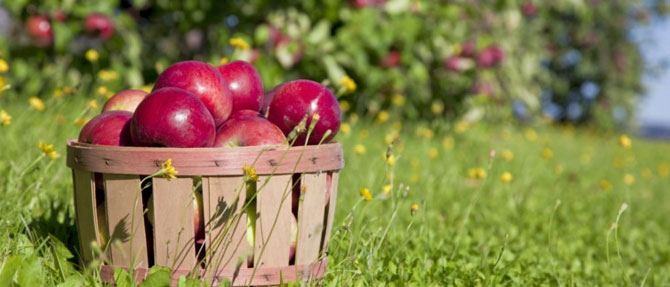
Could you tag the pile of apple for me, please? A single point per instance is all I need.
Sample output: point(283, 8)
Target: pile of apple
point(194, 104)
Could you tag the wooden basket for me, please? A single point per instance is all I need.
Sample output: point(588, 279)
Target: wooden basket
point(113, 174)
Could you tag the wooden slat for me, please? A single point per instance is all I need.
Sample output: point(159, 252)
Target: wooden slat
point(310, 217)
point(173, 223)
point(332, 204)
point(205, 161)
point(125, 220)
point(225, 223)
point(87, 219)
point(273, 225)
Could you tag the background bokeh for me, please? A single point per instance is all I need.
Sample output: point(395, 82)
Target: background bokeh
point(556, 61)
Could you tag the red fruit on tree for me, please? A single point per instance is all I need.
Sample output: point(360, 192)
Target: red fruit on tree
point(99, 24)
point(172, 117)
point(39, 29)
point(295, 100)
point(203, 81)
point(391, 60)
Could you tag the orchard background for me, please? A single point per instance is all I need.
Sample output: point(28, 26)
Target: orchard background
point(483, 189)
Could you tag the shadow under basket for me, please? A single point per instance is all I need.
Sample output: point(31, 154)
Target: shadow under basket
point(139, 221)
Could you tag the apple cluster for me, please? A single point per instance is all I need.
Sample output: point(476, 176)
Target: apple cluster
point(40, 30)
point(194, 104)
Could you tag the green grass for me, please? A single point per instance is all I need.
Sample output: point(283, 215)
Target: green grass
point(568, 219)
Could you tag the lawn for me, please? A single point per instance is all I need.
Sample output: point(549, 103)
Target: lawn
point(468, 205)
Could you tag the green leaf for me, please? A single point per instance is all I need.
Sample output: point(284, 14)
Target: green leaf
point(158, 276)
point(8, 271)
point(122, 278)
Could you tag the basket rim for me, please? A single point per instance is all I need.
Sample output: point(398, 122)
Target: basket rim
point(224, 161)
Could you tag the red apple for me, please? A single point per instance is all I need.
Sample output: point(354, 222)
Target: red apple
point(99, 24)
point(203, 81)
point(39, 29)
point(247, 128)
point(360, 4)
point(295, 100)
point(172, 117)
point(245, 85)
point(108, 128)
point(528, 9)
point(455, 64)
point(468, 49)
point(126, 100)
point(491, 56)
point(391, 60)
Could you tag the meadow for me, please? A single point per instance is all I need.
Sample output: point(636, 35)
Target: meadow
point(427, 204)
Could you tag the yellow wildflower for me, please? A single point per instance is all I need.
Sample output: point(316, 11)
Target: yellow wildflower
point(391, 137)
point(663, 169)
point(476, 173)
point(414, 208)
point(147, 88)
point(348, 84)
point(345, 128)
point(625, 141)
point(239, 43)
point(506, 177)
point(558, 169)
point(108, 75)
point(48, 150)
point(448, 142)
point(547, 153)
point(531, 135)
point(383, 116)
point(398, 100)
point(168, 170)
point(93, 104)
point(507, 155)
point(224, 60)
point(58, 93)
point(387, 189)
point(4, 67)
point(81, 121)
point(3, 85)
point(437, 107)
point(629, 179)
point(461, 127)
point(390, 159)
point(36, 103)
point(102, 91)
point(366, 194)
point(605, 185)
point(424, 132)
point(432, 153)
point(5, 118)
point(360, 149)
point(345, 106)
point(92, 55)
point(68, 90)
point(250, 173)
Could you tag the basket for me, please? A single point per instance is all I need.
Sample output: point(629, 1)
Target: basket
point(113, 175)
